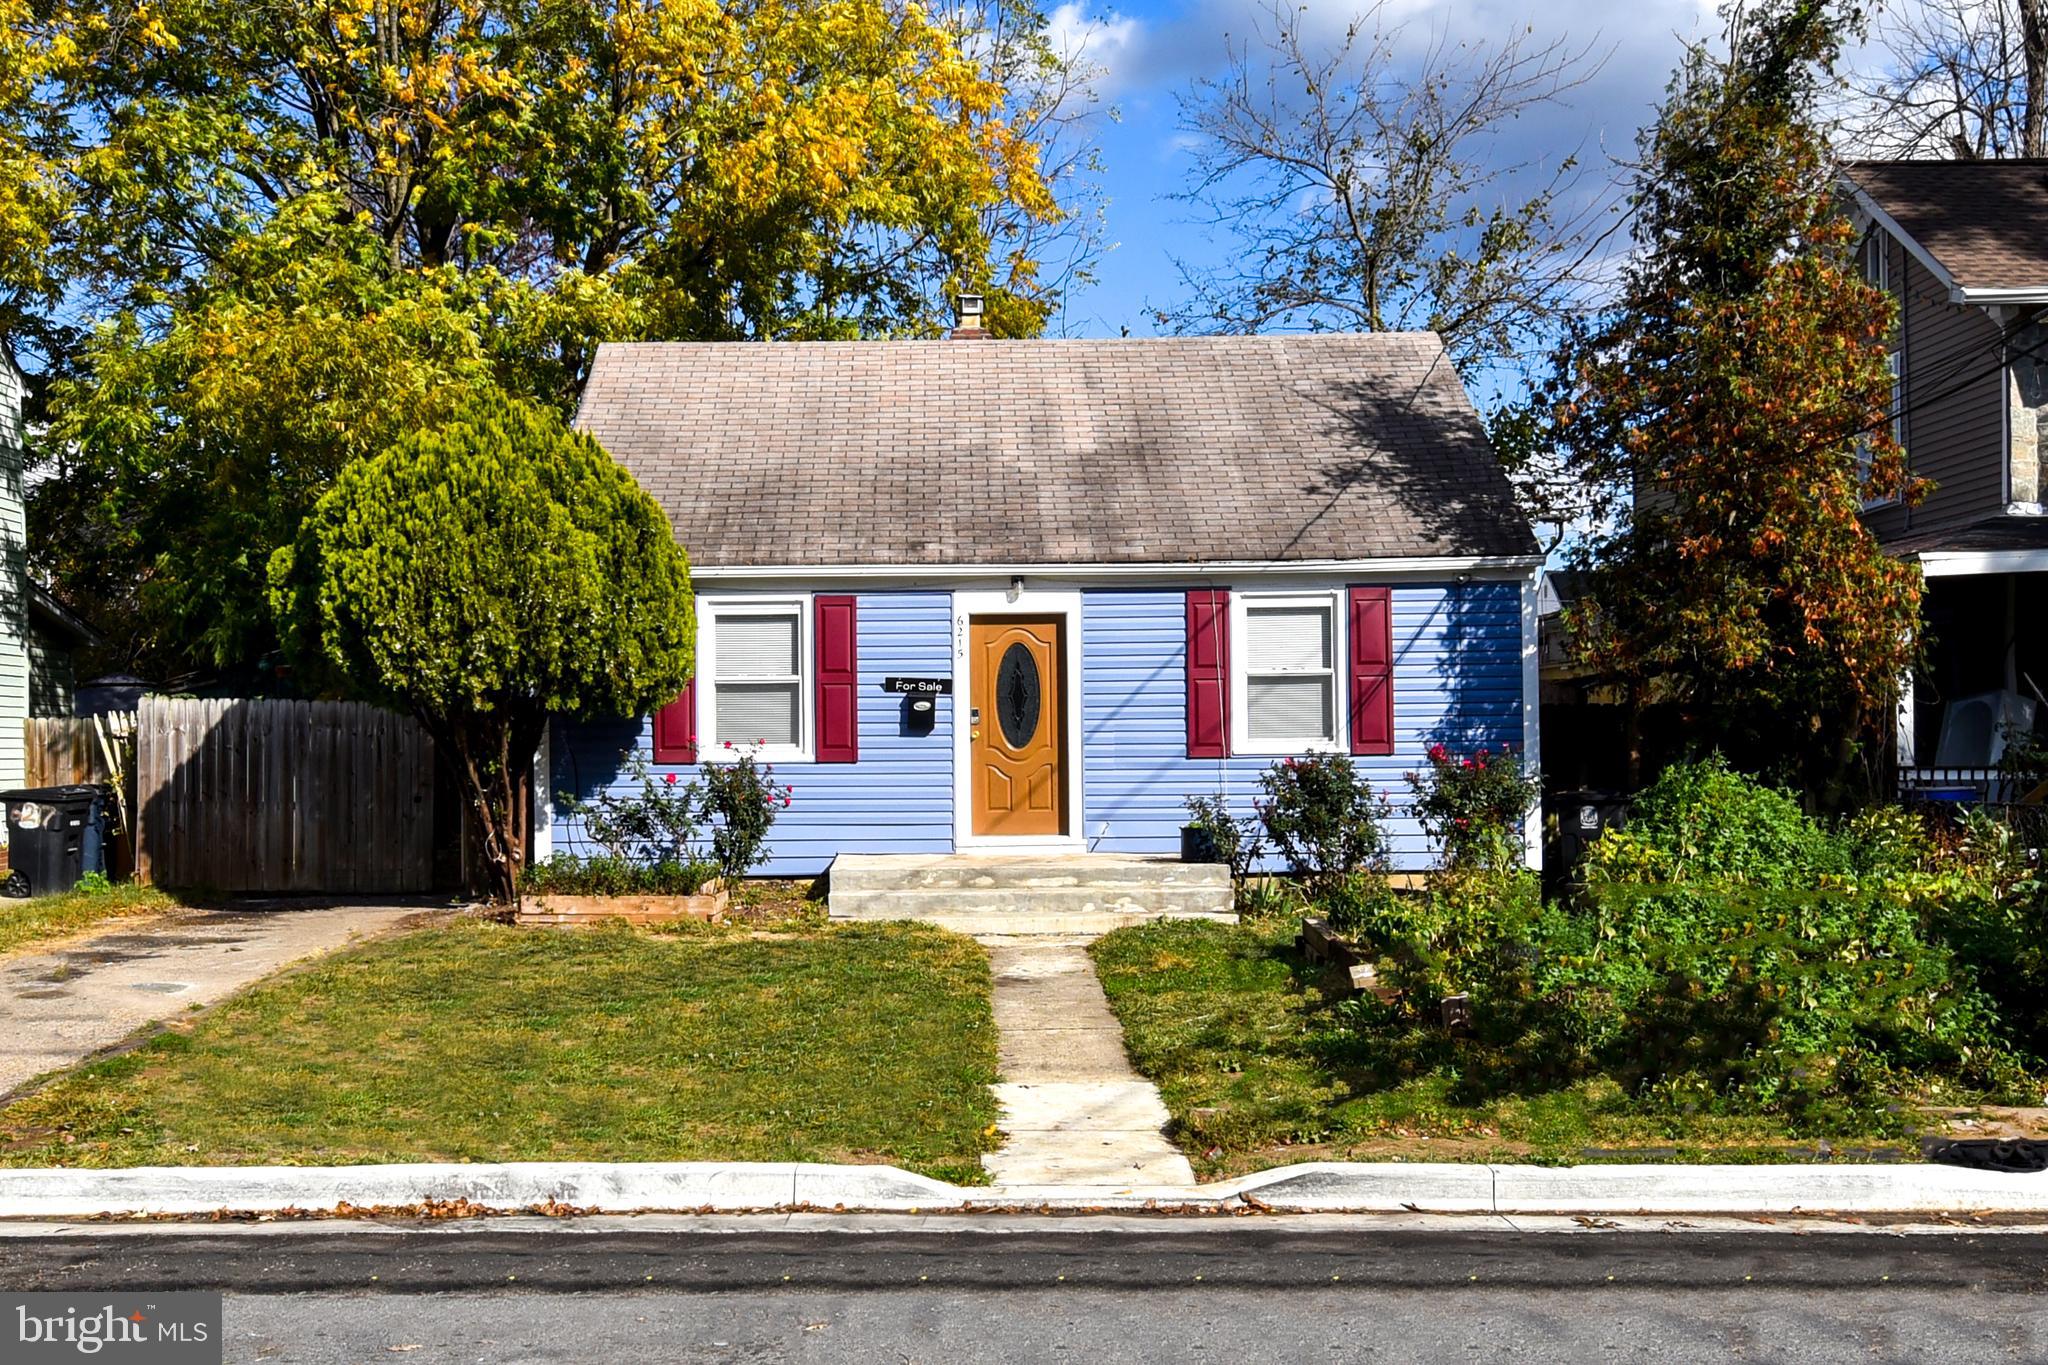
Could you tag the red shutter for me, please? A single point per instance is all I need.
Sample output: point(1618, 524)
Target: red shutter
point(838, 665)
point(675, 728)
point(1208, 663)
point(1372, 671)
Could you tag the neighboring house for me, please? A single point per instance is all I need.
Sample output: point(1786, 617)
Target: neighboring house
point(14, 607)
point(1964, 246)
point(55, 636)
point(1123, 573)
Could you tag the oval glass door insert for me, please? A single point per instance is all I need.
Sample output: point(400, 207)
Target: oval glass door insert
point(1017, 686)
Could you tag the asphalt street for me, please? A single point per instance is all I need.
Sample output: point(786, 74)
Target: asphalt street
point(1248, 1290)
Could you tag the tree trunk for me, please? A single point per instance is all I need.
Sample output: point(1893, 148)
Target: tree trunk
point(493, 761)
point(2034, 44)
point(1632, 737)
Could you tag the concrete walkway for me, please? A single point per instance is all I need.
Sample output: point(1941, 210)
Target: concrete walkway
point(59, 1007)
point(1073, 1110)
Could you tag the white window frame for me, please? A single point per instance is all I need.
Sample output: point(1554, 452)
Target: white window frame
point(1241, 673)
point(1877, 259)
point(1895, 361)
point(710, 749)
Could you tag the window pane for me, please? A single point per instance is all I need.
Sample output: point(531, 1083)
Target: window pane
point(757, 646)
point(1288, 708)
point(1287, 637)
point(749, 712)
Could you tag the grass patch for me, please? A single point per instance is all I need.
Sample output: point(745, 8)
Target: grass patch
point(1247, 1045)
point(480, 1042)
point(31, 923)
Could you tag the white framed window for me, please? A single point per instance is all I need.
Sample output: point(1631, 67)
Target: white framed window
point(754, 677)
point(1877, 259)
point(1896, 363)
point(1286, 673)
point(1893, 362)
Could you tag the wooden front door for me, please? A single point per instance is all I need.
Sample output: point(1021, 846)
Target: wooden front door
point(1018, 725)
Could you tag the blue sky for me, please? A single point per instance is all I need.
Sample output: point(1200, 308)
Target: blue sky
point(1153, 49)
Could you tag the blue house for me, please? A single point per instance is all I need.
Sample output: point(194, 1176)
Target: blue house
point(1028, 596)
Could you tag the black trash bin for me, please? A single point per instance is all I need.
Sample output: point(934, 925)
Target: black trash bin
point(1576, 819)
point(55, 835)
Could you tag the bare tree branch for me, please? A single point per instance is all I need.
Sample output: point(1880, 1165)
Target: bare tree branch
point(1960, 78)
point(1363, 185)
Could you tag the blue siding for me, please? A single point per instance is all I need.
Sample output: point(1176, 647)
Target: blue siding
point(897, 799)
point(1457, 680)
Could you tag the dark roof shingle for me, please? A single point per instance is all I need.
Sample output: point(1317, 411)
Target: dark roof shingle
point(1135, 451)
point(1985, 221)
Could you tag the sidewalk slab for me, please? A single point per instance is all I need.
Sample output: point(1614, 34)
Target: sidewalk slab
point(1081, 1106)
point(1073, 1111)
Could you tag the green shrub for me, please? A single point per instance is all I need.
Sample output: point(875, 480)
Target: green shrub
point(658, 825)
point(1473, 805)
point(742, 799)
point(1774, 1000)
point(1728, 954)
point(1237, 837)
point(1705, 820)
point(1981, 893)
point(657, 822)
point(1470, 932)
point(567, 874)
point(1353, 905)
point(1326, 823)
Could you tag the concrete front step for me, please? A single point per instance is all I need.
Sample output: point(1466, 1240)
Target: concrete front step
point(967, 871)
point(1078, 893)
point(987, 924)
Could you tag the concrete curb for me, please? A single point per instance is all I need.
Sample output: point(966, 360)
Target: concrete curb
point(737, 1187)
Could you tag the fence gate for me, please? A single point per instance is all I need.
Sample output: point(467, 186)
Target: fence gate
point(283, 796)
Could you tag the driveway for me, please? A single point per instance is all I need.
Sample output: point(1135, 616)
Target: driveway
point(59, 1007)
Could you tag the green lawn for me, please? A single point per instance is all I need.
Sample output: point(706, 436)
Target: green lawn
point(29, 924)
point(480, 1042)
point(1246, 1044)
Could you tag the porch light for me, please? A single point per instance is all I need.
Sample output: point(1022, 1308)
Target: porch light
point(1016, 588)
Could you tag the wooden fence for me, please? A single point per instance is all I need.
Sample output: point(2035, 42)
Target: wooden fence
point(283, 796)
point(58, 751)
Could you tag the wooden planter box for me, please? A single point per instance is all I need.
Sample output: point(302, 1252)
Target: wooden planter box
point(548, 907)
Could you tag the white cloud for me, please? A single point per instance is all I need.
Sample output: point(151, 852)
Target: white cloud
point(1103, 41)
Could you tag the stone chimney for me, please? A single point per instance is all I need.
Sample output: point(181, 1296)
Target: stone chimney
point(967, 319)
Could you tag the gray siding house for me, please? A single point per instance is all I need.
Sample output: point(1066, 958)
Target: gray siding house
point(1964, 246)
point(14, 608)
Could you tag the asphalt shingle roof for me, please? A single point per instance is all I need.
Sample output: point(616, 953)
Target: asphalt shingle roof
point(1985, 221)
point(981, 452)
point(1996, 533)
